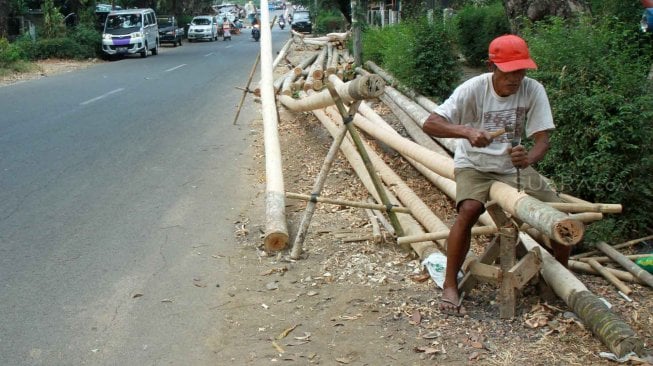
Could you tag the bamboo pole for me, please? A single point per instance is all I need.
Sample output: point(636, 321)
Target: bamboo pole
point(423, 101)
point(586, 207)
point(353, 134)
point(608, 327)
point(582, 267)
point(608, 259)
point(376, 229)
point(276, 230)
point(282, 53)
point(333, 201)
point(629, 265)
point(357, 89)
point(317, 188)
point(409, 224)
point(476, 231)
point(249, 81)
point(610, 277)
point(617, 246)
point(418, 113)
point(528, 209)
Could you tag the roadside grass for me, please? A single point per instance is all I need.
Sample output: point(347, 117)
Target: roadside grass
point(18, 67)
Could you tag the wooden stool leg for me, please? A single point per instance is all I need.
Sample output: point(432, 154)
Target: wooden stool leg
point(507, 290)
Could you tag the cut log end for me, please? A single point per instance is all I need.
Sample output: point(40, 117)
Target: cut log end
point(367, 87)
point(568, 232)
point(275, 242)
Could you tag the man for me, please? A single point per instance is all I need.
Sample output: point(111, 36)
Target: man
point(250, 9)
point(504, 98)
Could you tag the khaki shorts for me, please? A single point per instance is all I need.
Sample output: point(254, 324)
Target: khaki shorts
point(475, 185)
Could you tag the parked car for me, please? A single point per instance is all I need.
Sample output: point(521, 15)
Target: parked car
point(203, 27)
point(301, 22)
point(130, 31)
point(169, 30)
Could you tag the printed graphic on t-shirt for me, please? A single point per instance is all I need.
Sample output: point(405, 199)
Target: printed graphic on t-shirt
point(512, 120)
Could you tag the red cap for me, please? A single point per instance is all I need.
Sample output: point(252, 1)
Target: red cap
point(510, 53)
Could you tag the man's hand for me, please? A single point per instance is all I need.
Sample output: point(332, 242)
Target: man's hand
point(519, 157)
point(479, 138)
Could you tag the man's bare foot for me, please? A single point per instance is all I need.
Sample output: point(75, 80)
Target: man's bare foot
point(451, 302)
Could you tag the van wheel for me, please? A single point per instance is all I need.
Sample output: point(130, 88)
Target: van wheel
point(144, 51)
point(155, 50)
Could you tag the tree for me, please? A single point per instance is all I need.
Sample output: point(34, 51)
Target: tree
point(4, 17)
point(539, 9)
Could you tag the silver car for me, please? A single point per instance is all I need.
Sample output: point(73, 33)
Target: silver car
point(203, 27)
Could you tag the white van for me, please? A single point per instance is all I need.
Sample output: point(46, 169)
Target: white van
point(130, 31)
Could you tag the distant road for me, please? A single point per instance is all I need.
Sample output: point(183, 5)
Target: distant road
point(120, 185)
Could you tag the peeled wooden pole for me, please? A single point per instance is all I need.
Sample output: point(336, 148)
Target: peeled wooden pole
point(629, 265)
point(292, 75)
point(360, 88)
point(528, 209)
point(282, 53)
point(408, 223)
point(276, 230)
point(608, 327)
point(423, 101)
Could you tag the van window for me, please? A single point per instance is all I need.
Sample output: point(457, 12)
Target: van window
point(120, 24)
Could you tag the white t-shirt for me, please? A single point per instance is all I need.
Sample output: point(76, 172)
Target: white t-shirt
point(476, 104)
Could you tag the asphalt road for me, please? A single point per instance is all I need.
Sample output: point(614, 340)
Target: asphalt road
point(120, 185)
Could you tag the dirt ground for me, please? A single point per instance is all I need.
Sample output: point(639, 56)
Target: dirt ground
point(356, 302)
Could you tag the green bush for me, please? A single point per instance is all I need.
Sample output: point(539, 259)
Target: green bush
point(9, 53)
point(376, 41)
point(63, 47)
point(477, 27)
point(89, 39)
point(328, 22)
point(418, 53)
point(595, 73)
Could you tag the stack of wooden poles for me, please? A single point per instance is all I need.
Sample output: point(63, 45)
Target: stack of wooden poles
point(542, 222)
